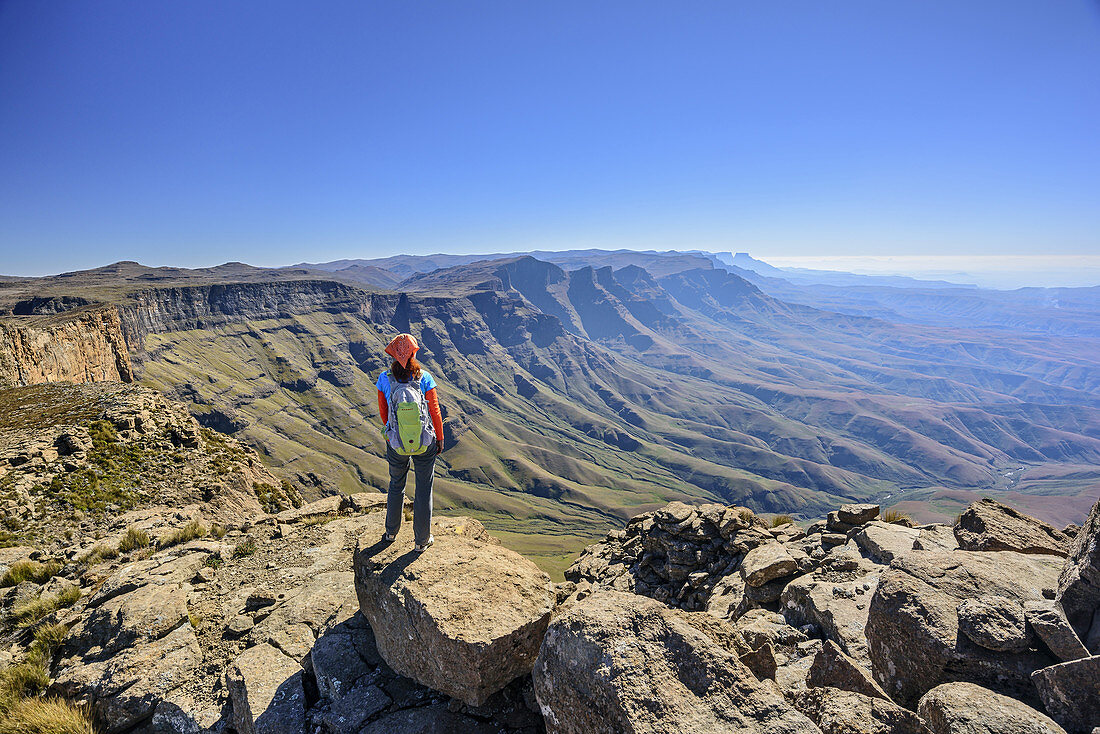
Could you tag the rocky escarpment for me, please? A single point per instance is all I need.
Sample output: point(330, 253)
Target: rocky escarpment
point(177, 308)
point(83, 345)
point(72, 457)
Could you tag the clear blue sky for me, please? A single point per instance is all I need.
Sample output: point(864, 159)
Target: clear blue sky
point(197, 132)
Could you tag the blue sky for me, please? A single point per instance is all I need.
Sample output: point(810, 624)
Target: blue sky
point(193, 133)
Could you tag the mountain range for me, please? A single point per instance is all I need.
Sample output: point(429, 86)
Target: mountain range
point(581, 388)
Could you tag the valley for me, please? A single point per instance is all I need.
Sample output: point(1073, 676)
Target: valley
point(579, 394)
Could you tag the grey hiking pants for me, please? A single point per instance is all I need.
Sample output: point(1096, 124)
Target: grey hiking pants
point(424, 469)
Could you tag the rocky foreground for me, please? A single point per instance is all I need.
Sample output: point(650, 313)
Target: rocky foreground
point(209, 598)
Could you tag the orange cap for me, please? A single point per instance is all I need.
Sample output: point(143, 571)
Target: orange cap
point(402, 348)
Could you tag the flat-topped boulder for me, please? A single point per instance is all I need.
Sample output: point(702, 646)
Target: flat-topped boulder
point(465, 617)
point(616, 662)
point(987, 525)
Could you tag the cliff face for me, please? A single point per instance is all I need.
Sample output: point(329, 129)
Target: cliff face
point(204, 306)
point(85, 345)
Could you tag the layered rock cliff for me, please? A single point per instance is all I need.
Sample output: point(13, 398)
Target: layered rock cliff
point(82, 345)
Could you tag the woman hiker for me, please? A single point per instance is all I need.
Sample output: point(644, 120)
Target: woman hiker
point(413, 428)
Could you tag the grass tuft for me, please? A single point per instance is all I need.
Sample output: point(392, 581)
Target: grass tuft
point(245, 548)
point(214, 560)
point(218, 531)
point(778, 520)
point(32, 611)
point(133, 539)
point(45, 716)
point(190, 531)
point(746, 515)
point(21, 571)
point(98, 554)
point(895, 516)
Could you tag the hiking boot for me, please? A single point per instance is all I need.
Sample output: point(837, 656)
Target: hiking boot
point(421, 548)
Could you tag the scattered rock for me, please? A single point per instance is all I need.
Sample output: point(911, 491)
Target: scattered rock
point(1071, 693)
point(765, 563)
point(857, 514)
point(466, 617)
point(837, 711)
point(615, 663)
point(964, 708)
point(988, 525)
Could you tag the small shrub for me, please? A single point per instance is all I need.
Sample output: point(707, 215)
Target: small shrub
point(133, 539)
point(245, 548)
point(21, 571)
point(46, 716)
point(778, 520)
point(194, 619)
point(218, 531)
point(895, 516)
point(408, 514)
point(98, 554)
point(190, 531)
point(746, 515)
point(319, 519)
point(102, 432)
point(214, 560)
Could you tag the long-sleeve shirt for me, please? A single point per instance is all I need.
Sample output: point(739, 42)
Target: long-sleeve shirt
point(427, 384)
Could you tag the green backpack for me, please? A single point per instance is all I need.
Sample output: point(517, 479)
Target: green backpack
point(409, 429)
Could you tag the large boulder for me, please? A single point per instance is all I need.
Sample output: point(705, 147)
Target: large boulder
point(987, 525)
point(964, 708)
point(837, 711)
point(913, 627)
point(1079, 584)
point(1071, 693)
point(465, 617)
point(837, 603)
point(615, 662)
point(267, 693)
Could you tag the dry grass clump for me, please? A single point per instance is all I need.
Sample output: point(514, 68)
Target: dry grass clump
point(21, 571)
point(133, 539)
point(895, 516)
point(45, 716)
point(35, 609)
point(218, 531)
point(778, 520)
point(746, 515)
point(190, 531)
point(98, 554)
